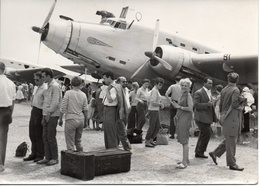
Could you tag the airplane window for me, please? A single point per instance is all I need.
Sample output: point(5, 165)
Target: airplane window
point(194, 49)
point(122, 62)
point(117, 25)
point(206, 52)
point(122, 26)
point(182, 44)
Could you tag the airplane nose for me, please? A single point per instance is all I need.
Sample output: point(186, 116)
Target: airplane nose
point(57, 35)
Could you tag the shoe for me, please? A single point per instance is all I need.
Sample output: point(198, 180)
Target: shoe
point(37, 159)
point(181, 166)
point(44, 161)
point(153, 143)
point(52, 162)
point(214, 158)
point(149, 145)
point(200, 156)
point(128, 147)
point(236, 167)
point(172, 137)
point(29, 158)
point(188, 162)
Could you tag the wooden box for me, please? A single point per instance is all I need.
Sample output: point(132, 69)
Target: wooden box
point(111, 161)
point(80, 165)
point(86, 165)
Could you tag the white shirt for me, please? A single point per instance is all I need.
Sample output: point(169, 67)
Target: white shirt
point(154, 98)
point(8, 91)
point(103, 91)
point(113, 97)
point(38, 95)
point(127, 96)
point(208, 93)
point(175, 91)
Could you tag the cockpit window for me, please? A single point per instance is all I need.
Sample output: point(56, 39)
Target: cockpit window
point(115, 24)
point(120, 25)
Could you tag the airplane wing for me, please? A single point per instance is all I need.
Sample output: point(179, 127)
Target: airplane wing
point(219, 65)
point(26, 75)
point(23, 71)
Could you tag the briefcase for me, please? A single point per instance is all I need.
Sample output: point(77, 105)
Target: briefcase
point(80, 165)
point(135, 139)
point(135, 136)
point(111, 161)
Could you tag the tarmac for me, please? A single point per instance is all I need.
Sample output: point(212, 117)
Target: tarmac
point(148, 165)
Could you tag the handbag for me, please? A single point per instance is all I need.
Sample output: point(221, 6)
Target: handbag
point(162, 137)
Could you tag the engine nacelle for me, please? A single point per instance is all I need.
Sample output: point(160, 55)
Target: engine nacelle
point(172, 55)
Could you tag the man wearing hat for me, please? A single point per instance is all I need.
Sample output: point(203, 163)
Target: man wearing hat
point(7, 96)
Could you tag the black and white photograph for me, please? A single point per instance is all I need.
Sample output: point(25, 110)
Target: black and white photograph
point(129, 92)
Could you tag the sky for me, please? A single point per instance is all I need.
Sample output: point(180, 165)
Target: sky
point(225, 25)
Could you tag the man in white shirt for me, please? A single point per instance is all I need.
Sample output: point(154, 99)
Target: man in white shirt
point(204, 115)
point(7, 96)
point(35, 126)
point(113, 129)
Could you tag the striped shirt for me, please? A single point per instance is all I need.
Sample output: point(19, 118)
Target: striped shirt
point(73, 104)
point(52, 99)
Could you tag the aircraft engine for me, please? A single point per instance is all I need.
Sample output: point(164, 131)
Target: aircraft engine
point(173, 56)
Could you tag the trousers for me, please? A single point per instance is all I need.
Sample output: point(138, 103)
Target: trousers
point(49, 138)
point(173, 112)
point(141, 112)
point(204, 137)
point(154, 125)
point(73, 133)
point(35, 133)
point(5, 120)
point(228, 146)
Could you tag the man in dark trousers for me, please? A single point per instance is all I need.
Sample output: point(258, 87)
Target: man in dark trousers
point(204, 114)
point(231, 106)
point(7, 97)
point(35, 126)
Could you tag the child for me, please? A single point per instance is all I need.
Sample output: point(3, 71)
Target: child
point(92, 112)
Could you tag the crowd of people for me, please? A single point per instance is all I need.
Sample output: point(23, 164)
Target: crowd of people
point(115, 107)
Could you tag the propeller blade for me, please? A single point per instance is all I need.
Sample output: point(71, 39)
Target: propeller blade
point(153, 56)
point(39, 50)
point(149, 54)
point(164, 63)
point(37, 29)
point(49, 15)
point(139, 69)
point(156, 34)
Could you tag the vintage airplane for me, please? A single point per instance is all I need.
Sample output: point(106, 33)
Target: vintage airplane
point(136, 52)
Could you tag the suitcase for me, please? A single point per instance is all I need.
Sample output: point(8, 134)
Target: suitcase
point(111, 161)
point(80, 165)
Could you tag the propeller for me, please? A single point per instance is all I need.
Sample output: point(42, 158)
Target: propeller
point(44, 29)
point(154, 59)
point(47, 19)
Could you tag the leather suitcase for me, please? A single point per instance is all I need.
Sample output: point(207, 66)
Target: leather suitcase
point(80, 165)
point(111, 161)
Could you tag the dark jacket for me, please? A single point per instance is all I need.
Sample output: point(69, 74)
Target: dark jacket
point(231, 105)
point(203, 111)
